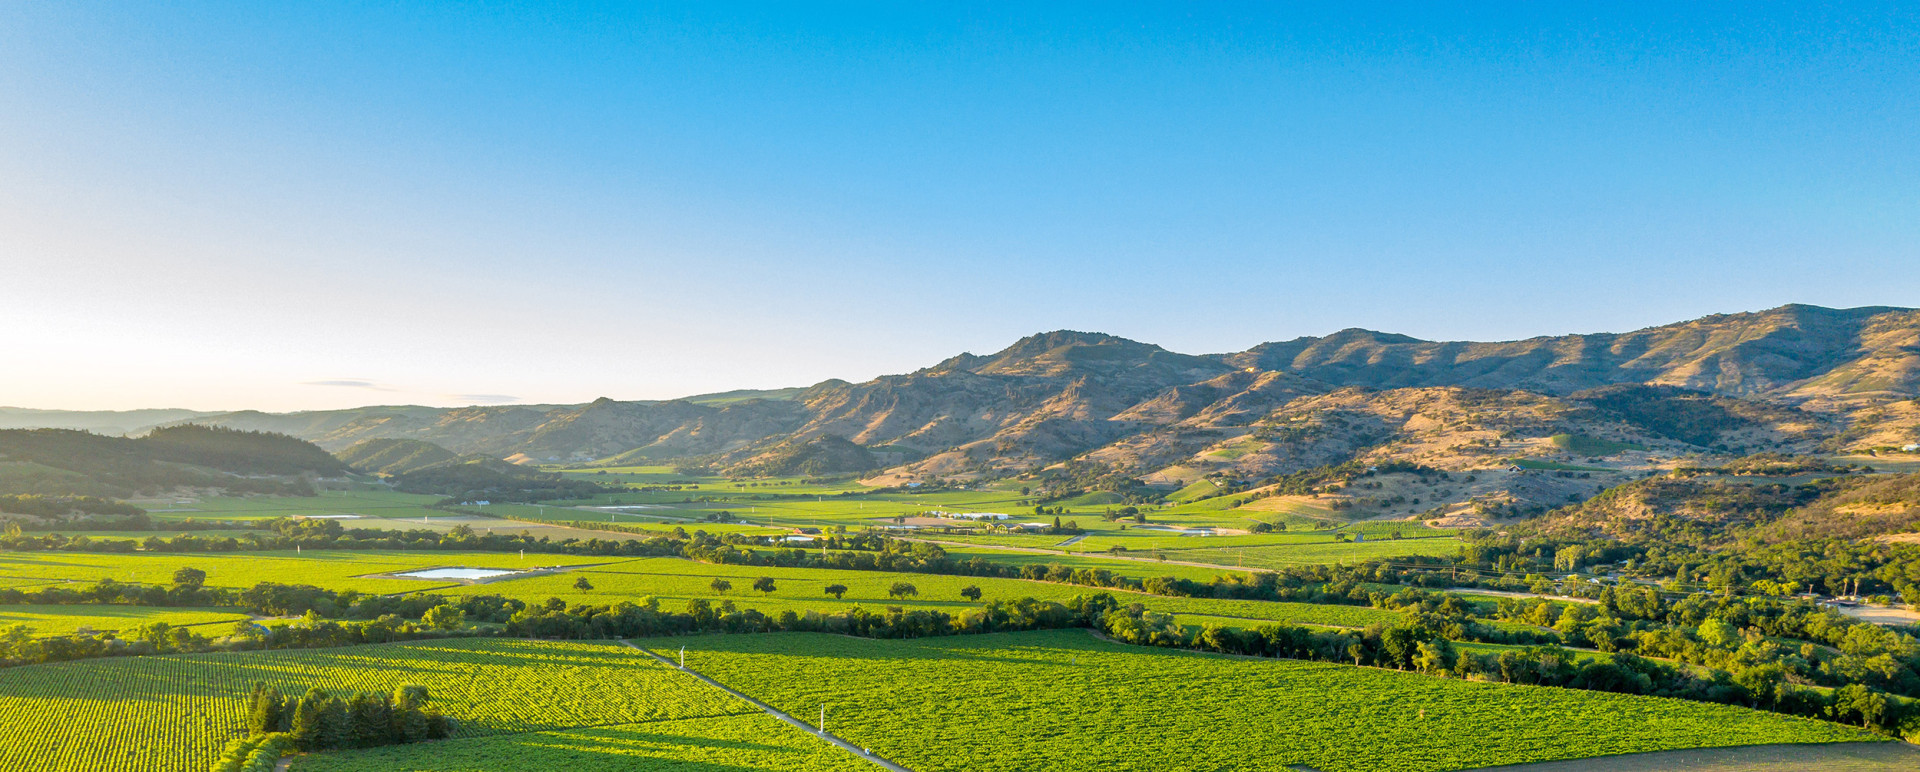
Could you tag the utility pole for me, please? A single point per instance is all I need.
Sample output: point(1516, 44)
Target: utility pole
point(823, 718)
point(683, 657)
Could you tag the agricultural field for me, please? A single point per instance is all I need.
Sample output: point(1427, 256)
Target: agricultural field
point(755, 741)
point(1310, 554)
point(1070, 701)
point(173, 713)
point(674, 581)
point(1137, 566)
point(72, 618)
point(773, 505)
point(332, 569)
point(373, 504)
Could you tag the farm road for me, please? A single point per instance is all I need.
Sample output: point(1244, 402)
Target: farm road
point(771, 711)
point(1832, 757)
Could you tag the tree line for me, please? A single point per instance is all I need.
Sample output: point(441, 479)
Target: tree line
point(318, 720)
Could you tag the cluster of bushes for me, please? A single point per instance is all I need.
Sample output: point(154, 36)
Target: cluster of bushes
point(1334, 476)
point(259, 753)
point(1739, 635)
point(63, 506)
point(556, 619)
point(318, 721)
point(1416, 646)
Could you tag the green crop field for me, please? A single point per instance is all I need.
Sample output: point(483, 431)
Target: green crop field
point(768, 506)
point(674, 581)
point(1306, 554)
point(384, 504)
point(716, 743)
point(1591, 446)
point(333, 569)
point(66, 619)
point(174, 713)
point(1143, 567)
point(1064, 700)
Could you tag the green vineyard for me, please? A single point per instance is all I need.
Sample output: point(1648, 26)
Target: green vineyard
point(173, 714)
point(717, 743)
point(1065, 700)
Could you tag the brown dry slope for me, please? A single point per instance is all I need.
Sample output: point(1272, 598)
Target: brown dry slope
point(1789, 377)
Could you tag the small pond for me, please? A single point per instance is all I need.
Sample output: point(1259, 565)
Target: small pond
point(457, 573)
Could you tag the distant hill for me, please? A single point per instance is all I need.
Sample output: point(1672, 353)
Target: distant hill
point(395, 456)
point(1793, 350)
point(492, 481)
point(742, 395)
point(240, 452)
point(1716, 510)
point(112, 422)
point(67, 462)
point(823, 455)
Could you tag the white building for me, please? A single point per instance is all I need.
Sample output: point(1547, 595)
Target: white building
point(976, 516)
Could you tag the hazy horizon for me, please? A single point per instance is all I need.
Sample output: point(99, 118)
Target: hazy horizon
point(221, 206)
point(457, 401)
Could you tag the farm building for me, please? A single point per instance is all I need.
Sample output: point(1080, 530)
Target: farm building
point(976, 516)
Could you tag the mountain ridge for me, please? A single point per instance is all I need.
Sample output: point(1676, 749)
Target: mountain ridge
point(1792, 378)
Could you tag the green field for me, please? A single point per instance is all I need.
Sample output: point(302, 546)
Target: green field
point(1064, 700)
point(1307, 554)
point(174, 713)
point(770, 506)
point(674, 581)
point(333, 569)
point(382, 504)
point(67, 619)
point(1591, 446)
point(733, 742)
point(1140, 569)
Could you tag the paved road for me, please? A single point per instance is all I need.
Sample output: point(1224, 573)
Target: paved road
point(801, 725)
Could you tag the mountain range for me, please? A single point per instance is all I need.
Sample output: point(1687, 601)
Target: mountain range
point(1791, 379)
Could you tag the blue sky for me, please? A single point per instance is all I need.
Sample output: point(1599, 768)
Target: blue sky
point(317, 205)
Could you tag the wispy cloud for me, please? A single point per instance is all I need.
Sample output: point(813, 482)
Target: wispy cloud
point(484, 399)
point(348, 384)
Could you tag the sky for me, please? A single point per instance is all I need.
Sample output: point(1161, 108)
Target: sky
point(319, 205)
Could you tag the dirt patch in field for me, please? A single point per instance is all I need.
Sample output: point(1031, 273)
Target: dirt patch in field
point(1838, 757)
point(1882, 616)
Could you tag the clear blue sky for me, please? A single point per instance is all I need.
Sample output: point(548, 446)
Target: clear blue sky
point(253, 205)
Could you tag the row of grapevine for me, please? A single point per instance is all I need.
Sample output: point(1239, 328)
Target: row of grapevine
point(175, 713)
point(1064, 700)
